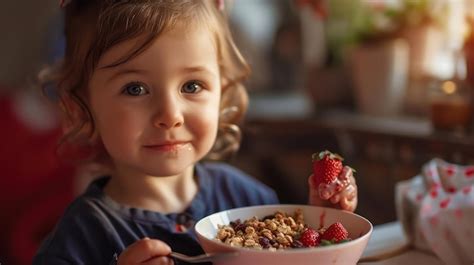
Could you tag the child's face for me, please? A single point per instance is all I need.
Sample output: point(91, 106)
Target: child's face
point(157, 114)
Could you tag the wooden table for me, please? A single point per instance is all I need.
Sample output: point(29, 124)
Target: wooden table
point(388, 238)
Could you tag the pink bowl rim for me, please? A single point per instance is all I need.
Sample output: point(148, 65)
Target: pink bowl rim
point(289, 251)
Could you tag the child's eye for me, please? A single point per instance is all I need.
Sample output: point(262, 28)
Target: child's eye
point(135, 89)
point(191, 87)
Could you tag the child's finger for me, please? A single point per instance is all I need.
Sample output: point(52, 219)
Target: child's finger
point(349, 205)
point(350, 199)
point(310, 182)
point(143, 250)
point(159, 261)
point(313, 196)
point(335, 198)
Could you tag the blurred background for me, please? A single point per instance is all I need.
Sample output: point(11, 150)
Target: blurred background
point(387, 84)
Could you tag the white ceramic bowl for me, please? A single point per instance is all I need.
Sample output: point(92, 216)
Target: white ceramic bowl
point(347, 253)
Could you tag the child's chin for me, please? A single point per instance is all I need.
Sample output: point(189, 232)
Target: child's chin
point(168, 170)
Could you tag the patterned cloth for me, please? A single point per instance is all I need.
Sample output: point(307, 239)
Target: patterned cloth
point(436, 209)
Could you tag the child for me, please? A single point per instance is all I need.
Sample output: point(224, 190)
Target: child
point(152, 87)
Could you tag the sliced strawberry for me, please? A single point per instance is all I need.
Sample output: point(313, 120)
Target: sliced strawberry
point(335, 232)
point(326, 167)
point(310, 238)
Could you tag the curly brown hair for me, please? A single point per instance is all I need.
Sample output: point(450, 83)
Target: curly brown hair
point(92, 27)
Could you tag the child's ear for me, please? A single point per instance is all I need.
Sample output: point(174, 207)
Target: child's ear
point(78, 118)
point(224, 83)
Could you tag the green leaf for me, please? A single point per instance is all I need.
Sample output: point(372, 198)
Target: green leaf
point(325, 243)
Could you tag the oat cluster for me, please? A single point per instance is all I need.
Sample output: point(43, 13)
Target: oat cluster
point(274, 232)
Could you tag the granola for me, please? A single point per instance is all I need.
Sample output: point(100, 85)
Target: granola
point(273, 232)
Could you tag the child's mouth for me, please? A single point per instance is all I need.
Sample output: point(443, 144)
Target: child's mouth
point(168, 147)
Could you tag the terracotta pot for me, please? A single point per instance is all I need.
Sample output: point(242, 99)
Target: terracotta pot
point(424, 41)
point(380, 73)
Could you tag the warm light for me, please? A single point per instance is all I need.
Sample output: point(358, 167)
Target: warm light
point(449, 87)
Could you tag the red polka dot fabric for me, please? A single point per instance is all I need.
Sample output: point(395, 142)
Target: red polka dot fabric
point(436, 209)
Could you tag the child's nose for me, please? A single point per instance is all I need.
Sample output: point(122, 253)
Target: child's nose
point(168, 114)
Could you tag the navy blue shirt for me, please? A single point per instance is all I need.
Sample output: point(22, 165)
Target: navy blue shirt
point(94, 227)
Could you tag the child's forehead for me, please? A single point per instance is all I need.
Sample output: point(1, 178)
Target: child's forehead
point(177, 45)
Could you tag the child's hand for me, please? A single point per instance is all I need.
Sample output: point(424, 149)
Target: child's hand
point(331, 183)
point(323, 195)
point(146, 251)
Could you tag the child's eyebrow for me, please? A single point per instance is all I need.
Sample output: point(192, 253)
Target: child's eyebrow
point(194, 69)
point(124, 71)
point(185, 70)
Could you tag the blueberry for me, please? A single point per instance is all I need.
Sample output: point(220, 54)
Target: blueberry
point(240, 227)
point(297, 244)
point(264, 242)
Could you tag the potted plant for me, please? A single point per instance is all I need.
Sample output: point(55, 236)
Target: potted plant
point(394, 45)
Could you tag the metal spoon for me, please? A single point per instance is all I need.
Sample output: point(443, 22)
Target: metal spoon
point(204, 257)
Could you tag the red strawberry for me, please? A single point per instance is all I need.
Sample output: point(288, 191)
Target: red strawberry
point(336, 232)
point(310, 238)
point(326, 167)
